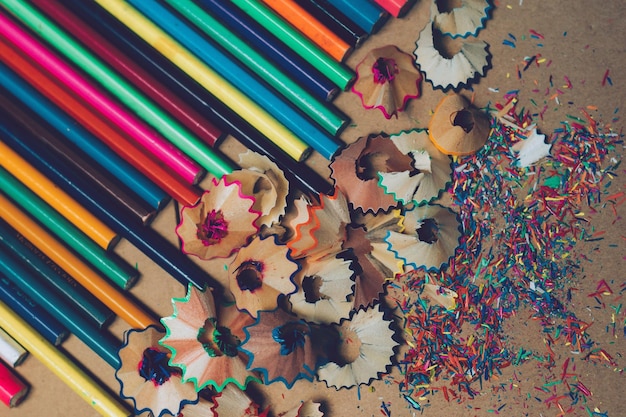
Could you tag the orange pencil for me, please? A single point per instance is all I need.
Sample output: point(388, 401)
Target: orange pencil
point(57, 198)
point(92, 121)
point(312, 28)
point(121, 305)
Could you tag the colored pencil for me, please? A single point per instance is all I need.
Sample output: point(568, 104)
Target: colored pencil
point(335, 71)
point(238, 76)
point(396, 8)
point(12, 389)
point(273, 48)
point(132, 125)
point(91, 146)
point(208, 78)
point(31, 312)
point(115, 269)
point(175, 186)
point(183, 143)
point(129, 69)
point(21, 123)
point(335, 20)
point(49, 272)
point(101, 343)
point(312, 28)
point(321, 113)
point(61, 201)
point(144, 238)
point(183, 86)
point(119, 303)
point(11, 352)
point(62, 366)
point(364, 13)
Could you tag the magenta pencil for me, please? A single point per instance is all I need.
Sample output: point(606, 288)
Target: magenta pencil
point(396, 8)
point(79, 85)
point(12, 389)
point(141, 78)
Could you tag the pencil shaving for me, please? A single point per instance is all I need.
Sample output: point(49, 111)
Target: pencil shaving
point(470, 62)
point(376, 264)
point(364, 350)
point(280, 348)
point(431, 235)
point(261, 272)
point(430, 174)
point(324, 229)
point(324, 288)
point(146, 378)
point(355, 171)
point(262, 179)
point(221, 222)
point(465, 20)
point(532, 149)
point(387, 79)
point(204, 342)
point(458, 128)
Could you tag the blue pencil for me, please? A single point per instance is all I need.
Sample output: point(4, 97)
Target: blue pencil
point(101, 343)
point(265, 42)
point(120, 220)
point(304, 178)
point(32, 313)
point(84, 140)
point(66, 287)
point(239, 77)
point(364, 13)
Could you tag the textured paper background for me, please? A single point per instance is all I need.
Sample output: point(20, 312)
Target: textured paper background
point(582, 39)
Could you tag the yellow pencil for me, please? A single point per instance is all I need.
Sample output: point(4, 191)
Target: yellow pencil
point(73, 265)
point(61, 365)
point(57, 198)
point(208, 78)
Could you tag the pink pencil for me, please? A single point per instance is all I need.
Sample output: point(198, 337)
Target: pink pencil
point(395, 7)
point(128, 123)
point(12, 389)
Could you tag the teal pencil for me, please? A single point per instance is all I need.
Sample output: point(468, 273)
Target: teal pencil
point(115, 269)
point(118, 87)
point(100, 342)
point(44, 268)
point(321, 113)
point(336, 72)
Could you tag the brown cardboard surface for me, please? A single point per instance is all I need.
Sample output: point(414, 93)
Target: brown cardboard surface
point(582, 39)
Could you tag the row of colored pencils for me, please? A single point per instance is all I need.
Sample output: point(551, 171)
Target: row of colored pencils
point(109, 109)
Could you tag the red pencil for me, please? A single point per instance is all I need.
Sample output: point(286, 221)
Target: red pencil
point(12, 389)
point(396, 8)
point(148, 84)
point(47, 85)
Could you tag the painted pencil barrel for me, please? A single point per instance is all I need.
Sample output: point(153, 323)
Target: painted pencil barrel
point(334, 70)
point(239, 78)
point(61, 365)
point(47, 326)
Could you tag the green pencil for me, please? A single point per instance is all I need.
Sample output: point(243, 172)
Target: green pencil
point(119, 87)
point(119, 273)
point(83, 302)
point(322, 114)
point(336, 72)
point(101, 343)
